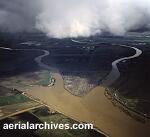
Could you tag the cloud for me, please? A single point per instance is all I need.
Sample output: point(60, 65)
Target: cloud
point(18, 15)
point(73, 18)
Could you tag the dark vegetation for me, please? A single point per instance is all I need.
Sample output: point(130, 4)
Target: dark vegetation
point(91, 60)
point(9, 100)
point(17, 62)
point(134, 82)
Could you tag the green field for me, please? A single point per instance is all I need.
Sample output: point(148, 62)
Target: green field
point(9, 100)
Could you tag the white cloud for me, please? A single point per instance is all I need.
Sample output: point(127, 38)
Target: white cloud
point(73, 18)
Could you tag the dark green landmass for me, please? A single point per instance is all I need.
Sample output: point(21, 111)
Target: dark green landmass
point(9, 100)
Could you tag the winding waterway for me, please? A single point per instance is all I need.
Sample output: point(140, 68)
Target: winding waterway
point(38, 60)
point(115, 73)
point(94, 108)
point(111, 77)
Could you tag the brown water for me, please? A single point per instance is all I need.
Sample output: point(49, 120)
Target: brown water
point(93, 108)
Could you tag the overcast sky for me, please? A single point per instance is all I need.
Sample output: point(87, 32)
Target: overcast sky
point(73, 18)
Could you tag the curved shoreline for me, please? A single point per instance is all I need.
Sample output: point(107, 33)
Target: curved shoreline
point(37, 59)
point(110, 78)
point(115, 73)
point(94, 108)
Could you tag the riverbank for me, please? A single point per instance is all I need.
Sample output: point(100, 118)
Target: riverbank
point(94, 108)
point(115, 73)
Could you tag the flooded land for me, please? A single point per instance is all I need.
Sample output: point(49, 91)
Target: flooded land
point(99, 80)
